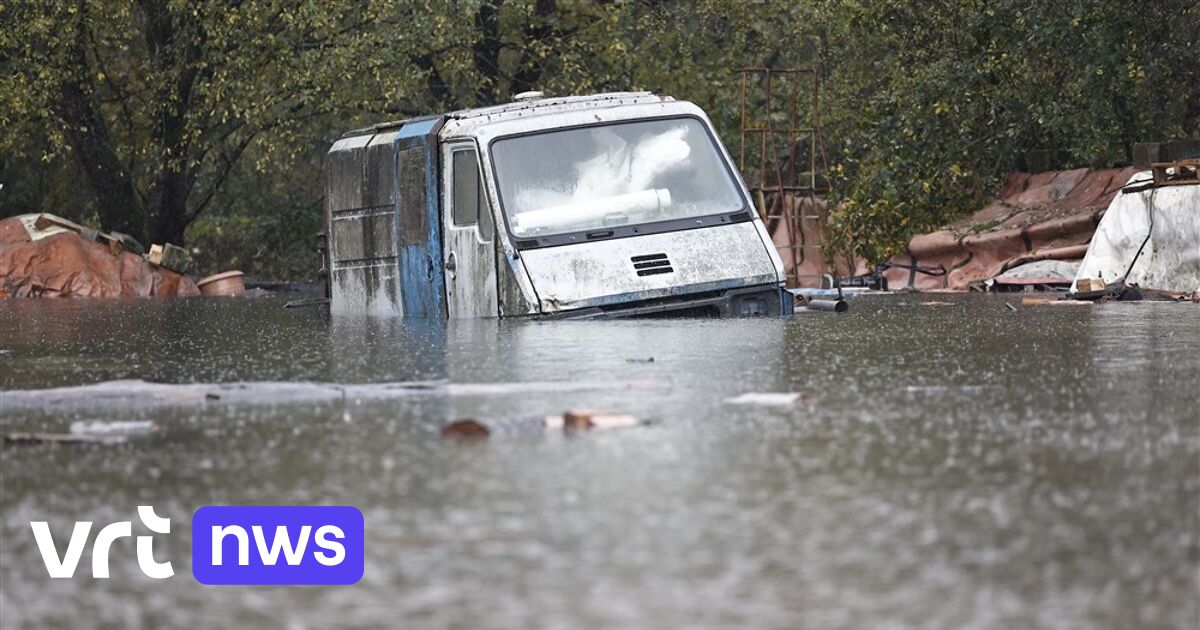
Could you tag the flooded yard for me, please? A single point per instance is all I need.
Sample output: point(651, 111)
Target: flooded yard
point(949, 465)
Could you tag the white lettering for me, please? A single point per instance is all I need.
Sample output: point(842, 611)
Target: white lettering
point(243, 542)
point(104, 540)
point(145, 544)
point(338, 549)
point(65, 567)
point(282, 541)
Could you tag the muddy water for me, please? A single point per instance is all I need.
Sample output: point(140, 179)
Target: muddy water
point(952, 466)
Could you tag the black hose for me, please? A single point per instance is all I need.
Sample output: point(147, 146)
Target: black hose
point(1150, 212)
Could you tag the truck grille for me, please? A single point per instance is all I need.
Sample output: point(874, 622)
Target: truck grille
point(651, 264)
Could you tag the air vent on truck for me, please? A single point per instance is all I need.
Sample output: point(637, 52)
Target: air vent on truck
point(651, 264)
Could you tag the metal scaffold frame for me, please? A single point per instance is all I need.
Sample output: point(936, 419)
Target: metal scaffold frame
point(770, 195)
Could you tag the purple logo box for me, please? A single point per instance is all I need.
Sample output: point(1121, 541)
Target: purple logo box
point(278, 544)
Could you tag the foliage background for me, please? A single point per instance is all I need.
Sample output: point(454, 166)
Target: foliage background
point(206, 121)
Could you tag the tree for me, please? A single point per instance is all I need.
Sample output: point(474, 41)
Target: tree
point(933, 102)
point(174, 110)
point(158, 100)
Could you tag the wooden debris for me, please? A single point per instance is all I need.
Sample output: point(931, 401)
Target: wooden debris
point(46, 221)
point(583, 419)
point(115, 241)
point(1181, 173)
point(37, 439)
point(1087, 285)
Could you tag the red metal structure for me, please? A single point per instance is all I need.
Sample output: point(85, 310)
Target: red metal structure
point(775, 145)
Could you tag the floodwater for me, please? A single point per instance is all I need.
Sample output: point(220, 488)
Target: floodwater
point(959, 465)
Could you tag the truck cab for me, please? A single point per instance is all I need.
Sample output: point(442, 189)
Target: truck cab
point(611, 205)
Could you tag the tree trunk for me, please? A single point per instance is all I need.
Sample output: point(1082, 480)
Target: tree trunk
point(169, 211)
point(486, 53)
point(91, 141)
point(529, 73)
point(175, 43)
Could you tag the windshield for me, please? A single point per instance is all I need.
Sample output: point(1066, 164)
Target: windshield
point(611, 175)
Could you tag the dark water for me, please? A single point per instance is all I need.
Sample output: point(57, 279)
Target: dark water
point(953, 466)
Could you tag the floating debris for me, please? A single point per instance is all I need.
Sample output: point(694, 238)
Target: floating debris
point(142, 394)
point(171, 257)
point(225, 284)
point(577, 420)
point(119, 427)
point(42, 439)
point(305, 302)
point(471, 428)
point(766, 399)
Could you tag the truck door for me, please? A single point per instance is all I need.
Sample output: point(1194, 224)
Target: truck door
point(469, 233)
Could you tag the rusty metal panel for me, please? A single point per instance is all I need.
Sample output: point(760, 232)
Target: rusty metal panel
point(364, 237)
point(609, 272)
point(362, 243)
point(419, 234)
point(344, 174)
point(379, 178)
point(414, 224)
point(366, 289)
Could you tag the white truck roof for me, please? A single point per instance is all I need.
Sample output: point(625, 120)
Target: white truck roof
point(468, 122)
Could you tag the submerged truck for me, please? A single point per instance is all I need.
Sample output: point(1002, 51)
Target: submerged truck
point(612, 205)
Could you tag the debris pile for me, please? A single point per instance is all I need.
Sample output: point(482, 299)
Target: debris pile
point(1036, 217)
point(1035, 236)
point(43, 255)
point(1039, 217)
point(1150, 235)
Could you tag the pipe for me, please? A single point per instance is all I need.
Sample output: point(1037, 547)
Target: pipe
point(837, 306)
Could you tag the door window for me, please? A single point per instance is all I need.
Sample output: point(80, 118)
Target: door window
point(468, 204)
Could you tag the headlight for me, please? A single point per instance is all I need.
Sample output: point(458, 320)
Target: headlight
point(752, 307)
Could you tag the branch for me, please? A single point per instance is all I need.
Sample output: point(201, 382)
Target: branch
point(228, 161)
point(433, 78)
